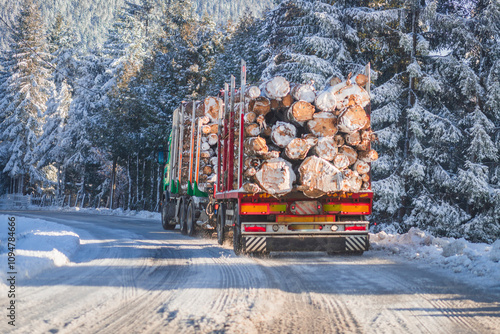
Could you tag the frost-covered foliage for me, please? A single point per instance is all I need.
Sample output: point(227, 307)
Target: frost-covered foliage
point(27, 89)
point(308, 40)
point(92, 18)
point(435, 114)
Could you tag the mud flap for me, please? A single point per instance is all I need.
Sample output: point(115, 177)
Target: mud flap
point(255, 244)
point(356, 243)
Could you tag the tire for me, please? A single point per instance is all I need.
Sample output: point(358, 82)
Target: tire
point(166, 215)
point(237, 244)
point(182, 219)
point(190, 219)
point(221, 224)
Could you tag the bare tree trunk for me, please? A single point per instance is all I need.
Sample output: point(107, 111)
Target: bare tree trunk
point(137, 180)
point(143, 178)
point(113, 185)
point(21, 185)
point(153, 172)
point(129, 183)
point(158, 184)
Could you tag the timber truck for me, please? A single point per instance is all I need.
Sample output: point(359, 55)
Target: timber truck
point(185, 200)
point(297, 185)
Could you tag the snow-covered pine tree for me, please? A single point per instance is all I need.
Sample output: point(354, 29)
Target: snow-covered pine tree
point(51, 151)
point(308, 40)
point(241, 41)
point(130, 47)
point(28, 89)
point(184, 63)
point(418, 131)
point(471, 66)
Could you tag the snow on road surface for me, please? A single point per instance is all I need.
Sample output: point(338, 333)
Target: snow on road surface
point(85, 273)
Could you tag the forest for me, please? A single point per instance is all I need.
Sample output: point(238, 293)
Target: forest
point(88, 122)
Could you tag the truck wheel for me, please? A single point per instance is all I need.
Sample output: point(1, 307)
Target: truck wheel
point(190, 219)
point(221, 223)
point(182, 220)
point(166, 216)
point(237, 246)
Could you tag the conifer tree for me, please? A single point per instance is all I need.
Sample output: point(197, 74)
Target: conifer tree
point(308, 40)
point(27, 88)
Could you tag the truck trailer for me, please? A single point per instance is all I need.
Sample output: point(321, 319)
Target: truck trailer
point(254, 192)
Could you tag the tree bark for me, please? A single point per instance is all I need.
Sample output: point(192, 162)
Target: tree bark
point(113, 185)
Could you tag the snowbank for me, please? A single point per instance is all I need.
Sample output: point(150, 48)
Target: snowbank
point(459, 255)
point(40, 245)
point(102, 211)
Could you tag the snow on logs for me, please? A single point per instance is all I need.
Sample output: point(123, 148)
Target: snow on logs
point(297, 139)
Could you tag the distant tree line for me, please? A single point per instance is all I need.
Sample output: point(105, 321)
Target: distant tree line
point(76, 122)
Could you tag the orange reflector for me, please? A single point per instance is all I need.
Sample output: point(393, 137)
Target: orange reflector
point(352, 208)
point(255, 209)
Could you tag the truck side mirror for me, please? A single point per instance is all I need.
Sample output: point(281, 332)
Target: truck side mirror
point(161, 155)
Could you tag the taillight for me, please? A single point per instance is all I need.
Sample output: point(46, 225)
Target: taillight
point(255, 228)
point(356, 228)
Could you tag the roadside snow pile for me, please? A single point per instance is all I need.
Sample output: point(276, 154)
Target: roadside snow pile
point(458, 255)
point(39, 245)
point(103, 211)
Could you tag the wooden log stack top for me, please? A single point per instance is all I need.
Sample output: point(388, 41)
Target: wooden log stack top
point(303, 140)
point(295, 138)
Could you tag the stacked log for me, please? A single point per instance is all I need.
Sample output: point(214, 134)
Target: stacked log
point(206, 117)
point(297, 139)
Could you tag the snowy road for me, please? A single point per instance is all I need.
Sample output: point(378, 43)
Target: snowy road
point(130, 276)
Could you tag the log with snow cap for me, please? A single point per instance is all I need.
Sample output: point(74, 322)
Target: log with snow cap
point(304, 92)
point(276, 177)
point(276, 88)
point(319, 176)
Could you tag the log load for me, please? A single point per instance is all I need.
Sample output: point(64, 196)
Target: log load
point(297, 139)
point(326, 148)
point(260, 105)
point(255, 146)
point(206, 116)
point(252, 92)
point(212, 106)
point(326, 101)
